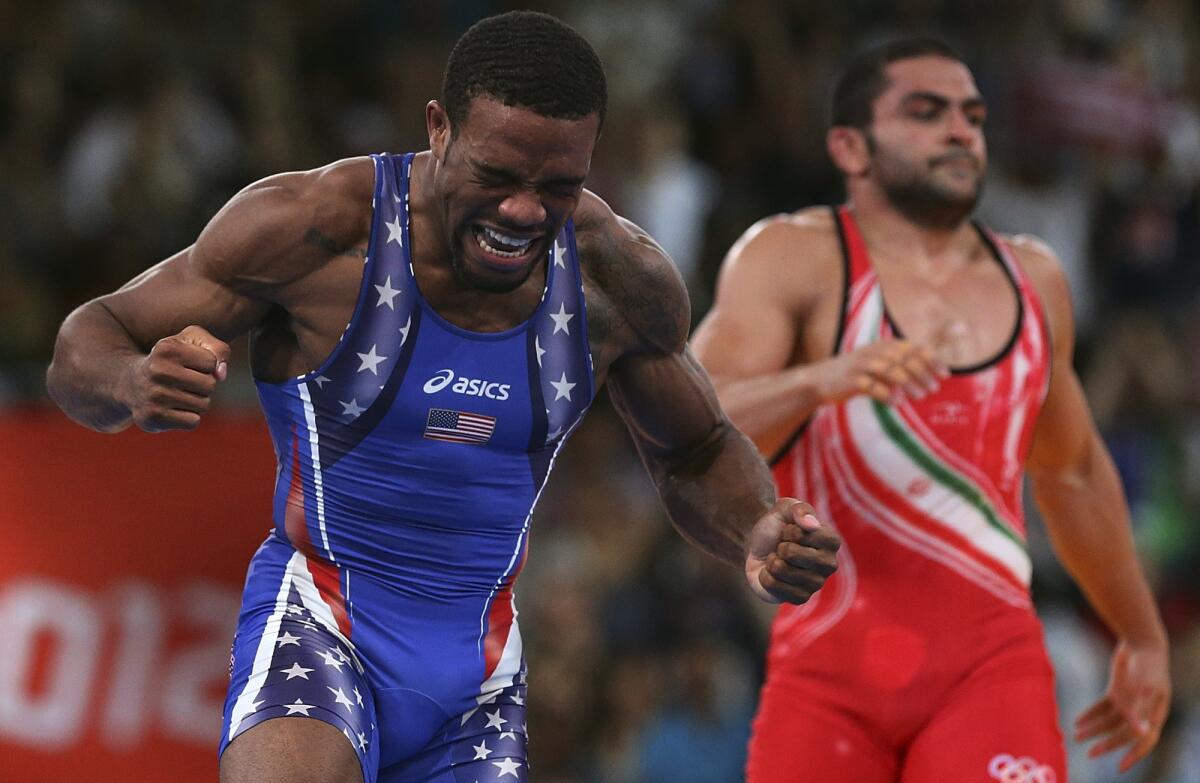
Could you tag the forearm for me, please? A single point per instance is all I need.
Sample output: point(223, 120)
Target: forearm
point(767, 407)
point(715, 493)
point(92, 356)
point(1087, 517)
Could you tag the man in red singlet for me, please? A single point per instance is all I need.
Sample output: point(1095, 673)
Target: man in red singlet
point(905, 367)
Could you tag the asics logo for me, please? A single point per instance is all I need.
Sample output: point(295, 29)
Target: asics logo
point(472, 387)
point(1007, 769)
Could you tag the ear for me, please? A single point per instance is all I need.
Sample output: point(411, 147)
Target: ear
point(848, 149)
point(437, 123)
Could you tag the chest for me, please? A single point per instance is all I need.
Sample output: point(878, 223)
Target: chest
point(966, 317)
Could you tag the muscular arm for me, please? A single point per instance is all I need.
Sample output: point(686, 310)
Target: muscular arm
point(715, 487)
point(709, 476)
point(1079, 494)
point(151, 351)
point(768, 338)
point(748, 339)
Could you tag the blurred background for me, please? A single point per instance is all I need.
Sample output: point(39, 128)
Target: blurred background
point(125, 125)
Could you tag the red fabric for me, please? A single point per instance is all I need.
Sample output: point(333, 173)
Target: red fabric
point(120, 574)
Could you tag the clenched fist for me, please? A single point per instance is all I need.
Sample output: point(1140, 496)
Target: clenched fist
point(171, 387)
point(790, 553)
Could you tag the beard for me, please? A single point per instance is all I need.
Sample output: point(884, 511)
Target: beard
point(917, 192)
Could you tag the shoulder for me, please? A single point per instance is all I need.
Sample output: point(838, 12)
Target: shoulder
point(636, 276)
point(789, 258)
point(284, 224)
point(1040, 263)
point(330, 194)
point(784, 238)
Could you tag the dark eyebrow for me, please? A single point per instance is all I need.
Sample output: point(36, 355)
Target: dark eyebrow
point(492, 172)
point(941, 101)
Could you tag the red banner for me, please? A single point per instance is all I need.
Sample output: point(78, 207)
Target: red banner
point(121, 565)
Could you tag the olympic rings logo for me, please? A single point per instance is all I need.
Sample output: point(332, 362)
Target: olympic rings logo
point(1007, 769)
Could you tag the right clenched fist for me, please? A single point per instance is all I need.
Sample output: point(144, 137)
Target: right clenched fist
point(171, 387)
point(882, 370)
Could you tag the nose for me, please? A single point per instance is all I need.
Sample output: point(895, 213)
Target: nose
point(523, 208)
point(960, 130)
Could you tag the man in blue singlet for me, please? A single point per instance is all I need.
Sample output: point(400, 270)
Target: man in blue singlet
point(426, 331)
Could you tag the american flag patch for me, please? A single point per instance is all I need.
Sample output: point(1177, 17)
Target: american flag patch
point(459, 426)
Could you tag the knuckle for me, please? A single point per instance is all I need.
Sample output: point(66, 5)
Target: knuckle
point(167, 346)
point(159, 396)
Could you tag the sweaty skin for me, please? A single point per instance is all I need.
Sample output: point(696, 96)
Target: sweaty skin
point(767, 344)
point(283, 262)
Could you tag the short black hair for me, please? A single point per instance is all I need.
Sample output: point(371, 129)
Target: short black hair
point(863, 79)
point(527, 59)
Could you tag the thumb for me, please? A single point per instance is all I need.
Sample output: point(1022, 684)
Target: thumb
point(201, 337)
point(765, 536)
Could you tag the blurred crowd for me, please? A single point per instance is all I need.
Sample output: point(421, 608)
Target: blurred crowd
point(125, 125)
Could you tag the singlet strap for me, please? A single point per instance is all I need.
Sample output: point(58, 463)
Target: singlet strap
point(854, 247)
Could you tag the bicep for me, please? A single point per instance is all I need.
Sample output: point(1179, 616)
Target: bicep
point(177, 293)
point(751, 328)
point(226, 281)
point(741, 339)
point(1064, 431)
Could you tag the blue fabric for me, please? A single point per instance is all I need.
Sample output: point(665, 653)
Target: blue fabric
point(409, 465)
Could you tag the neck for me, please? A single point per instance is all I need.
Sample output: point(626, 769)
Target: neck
point(878, 217)
point(429, 233)
point(460, 303)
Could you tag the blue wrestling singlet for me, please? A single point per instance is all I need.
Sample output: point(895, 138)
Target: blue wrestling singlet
point(409, 464)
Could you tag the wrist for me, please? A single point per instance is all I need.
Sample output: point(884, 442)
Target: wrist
point(811, 386)
point(123, 391)
point(1153, 638)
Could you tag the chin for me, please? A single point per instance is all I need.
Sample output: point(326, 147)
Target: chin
point(474, 274)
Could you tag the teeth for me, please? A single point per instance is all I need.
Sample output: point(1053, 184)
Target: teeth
point(508, 243)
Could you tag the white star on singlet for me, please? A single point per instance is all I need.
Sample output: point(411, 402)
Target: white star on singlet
point(298, 706)
point(562, 388)
point(340, 697)
point(507, 767)
point(394, 233)
point(387, 294)
point(561, 319)
point(371, 360)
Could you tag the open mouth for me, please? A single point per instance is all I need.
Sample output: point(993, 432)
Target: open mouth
point(502, 249)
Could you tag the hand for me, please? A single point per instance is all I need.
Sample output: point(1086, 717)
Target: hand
point(881, 370)
point(172, 386)
point(791, 554)
point(1134, 708)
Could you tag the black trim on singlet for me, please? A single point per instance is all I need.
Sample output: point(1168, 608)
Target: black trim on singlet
point(1020, 322)
point(847, 270)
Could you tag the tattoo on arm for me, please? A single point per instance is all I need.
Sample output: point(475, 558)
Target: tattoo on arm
point(641, 282)
point(314, 237)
